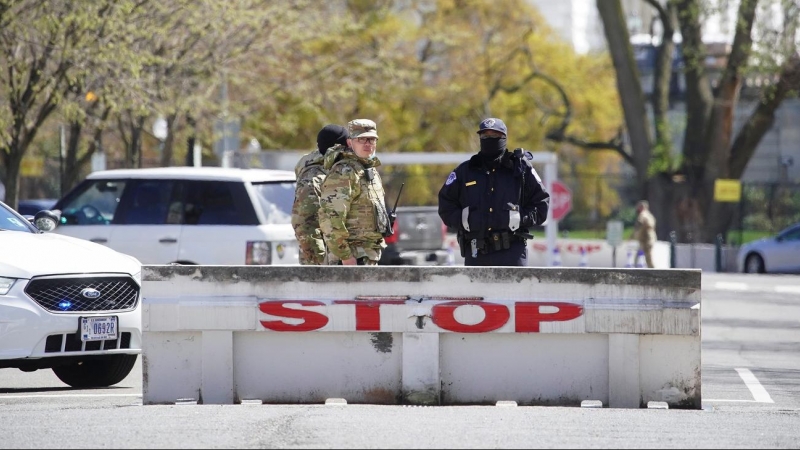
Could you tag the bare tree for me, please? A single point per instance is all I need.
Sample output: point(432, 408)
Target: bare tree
point(683, 198)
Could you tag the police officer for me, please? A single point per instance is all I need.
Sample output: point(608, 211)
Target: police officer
point(493, 199)
point(310, 175)
point(353, 216)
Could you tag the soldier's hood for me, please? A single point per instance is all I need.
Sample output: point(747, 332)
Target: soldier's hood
point(339, 152)
point(310, 159)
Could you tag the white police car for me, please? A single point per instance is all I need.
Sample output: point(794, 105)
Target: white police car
point(66, 304)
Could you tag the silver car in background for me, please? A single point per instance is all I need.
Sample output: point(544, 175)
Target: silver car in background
point(775, 254)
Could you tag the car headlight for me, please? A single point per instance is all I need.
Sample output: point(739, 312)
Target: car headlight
point(5, 285)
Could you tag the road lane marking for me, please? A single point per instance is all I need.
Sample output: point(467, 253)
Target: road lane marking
point(730, 286)
point(760, 394)
point(744, 287)
point(2, 396)
point(787, 289)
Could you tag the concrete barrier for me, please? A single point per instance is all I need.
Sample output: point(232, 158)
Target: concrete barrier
point(589, 252)
point(421, 335)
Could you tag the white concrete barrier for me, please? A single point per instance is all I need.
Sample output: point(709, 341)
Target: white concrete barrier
point(421, 335)
point(584, 253)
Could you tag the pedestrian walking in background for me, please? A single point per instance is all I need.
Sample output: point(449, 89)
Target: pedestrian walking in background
point(305, 210)
point(644, 231)
point(494, 199)
point(353, 216)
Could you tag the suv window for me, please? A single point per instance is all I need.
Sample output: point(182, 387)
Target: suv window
point(149, 202)
point(276, 201)
point(218, 203)
point(93, 203)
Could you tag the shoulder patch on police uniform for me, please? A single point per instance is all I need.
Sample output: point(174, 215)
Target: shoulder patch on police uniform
point(450, 179)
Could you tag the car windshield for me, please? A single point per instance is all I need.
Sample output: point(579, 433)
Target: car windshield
point(791, 234)
point(11, 221)
point(276, 201)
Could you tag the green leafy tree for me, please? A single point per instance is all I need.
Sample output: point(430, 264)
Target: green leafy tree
point(44, 48)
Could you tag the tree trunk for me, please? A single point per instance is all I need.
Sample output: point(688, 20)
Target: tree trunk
point(746, 142)
point(12, 161)
point(699, 97)
point(629, 87)
point(662, 77)
point(168, 151)
point(191, 140)
point(720, 124)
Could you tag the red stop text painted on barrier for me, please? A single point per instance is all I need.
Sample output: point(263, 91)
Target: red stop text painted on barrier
point(528, 316)
point(368, 312)
point(312, 320)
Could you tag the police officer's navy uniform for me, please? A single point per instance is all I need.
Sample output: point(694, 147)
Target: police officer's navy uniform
point(494, 203)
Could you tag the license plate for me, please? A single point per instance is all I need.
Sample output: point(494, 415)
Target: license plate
point(98, 328)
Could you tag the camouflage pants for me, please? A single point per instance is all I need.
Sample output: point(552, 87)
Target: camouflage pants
point(312, 251)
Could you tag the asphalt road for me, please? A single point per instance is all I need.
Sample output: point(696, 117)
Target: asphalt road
point(751, 399)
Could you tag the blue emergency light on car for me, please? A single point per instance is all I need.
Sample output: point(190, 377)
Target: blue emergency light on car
point(65, 305)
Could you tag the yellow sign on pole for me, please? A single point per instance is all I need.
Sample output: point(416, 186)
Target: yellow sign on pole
point(32, 166)
point(727, 190)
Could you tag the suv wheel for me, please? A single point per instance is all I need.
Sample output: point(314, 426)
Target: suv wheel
point(102, 372)
point(754, 264)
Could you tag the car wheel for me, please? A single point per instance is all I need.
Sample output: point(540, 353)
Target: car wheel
point(96, 372)
point(754, 264)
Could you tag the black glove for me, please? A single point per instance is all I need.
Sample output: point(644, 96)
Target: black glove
point(529, 220)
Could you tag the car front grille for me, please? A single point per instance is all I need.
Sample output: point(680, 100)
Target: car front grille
point(58, 343)
point(84, 294)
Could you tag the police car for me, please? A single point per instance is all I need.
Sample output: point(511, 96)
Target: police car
point(66, 304)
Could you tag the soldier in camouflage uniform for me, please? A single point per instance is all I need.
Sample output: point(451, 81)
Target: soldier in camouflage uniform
point(310, 175)
point(352, 213)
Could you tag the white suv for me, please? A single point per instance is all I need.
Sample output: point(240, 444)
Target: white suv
point(186, 215)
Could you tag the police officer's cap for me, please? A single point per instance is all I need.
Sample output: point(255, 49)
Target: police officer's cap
point(493, 124)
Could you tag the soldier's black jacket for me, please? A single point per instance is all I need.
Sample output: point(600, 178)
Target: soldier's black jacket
point(488, 190)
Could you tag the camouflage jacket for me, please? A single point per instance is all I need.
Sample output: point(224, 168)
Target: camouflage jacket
point(310, 175)
point(352, 213)
point(645, 228)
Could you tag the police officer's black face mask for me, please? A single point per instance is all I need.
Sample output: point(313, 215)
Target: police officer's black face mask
point(492, 148)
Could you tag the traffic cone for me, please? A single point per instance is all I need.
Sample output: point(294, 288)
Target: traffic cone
point(584, 258)
point(629, 260)
point(640, 259)
point(556, 257)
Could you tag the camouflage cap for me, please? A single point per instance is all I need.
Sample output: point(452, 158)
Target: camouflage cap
point(362, 128)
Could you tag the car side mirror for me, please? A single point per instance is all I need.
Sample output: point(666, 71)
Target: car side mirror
point(47, 220)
